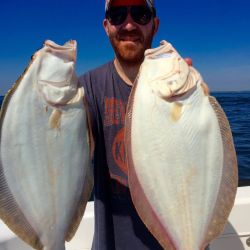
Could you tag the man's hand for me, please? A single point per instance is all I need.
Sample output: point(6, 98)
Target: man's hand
point(189, 61)
point(204, 86)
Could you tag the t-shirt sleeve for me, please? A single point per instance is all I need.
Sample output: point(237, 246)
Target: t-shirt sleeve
point(90, 100)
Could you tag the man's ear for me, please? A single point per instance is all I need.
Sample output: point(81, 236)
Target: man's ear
point(105, 26)
point(156, 24)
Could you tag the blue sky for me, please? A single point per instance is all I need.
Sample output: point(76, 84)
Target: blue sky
point(215, 34)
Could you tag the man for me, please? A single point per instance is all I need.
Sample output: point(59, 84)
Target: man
point(130, 26)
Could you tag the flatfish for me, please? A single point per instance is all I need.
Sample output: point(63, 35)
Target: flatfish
point(45, 165)
point(180, 152)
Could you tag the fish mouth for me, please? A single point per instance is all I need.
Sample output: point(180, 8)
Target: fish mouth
point(67, 51)
point(68, 45)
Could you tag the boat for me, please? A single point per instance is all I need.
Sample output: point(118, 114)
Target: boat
point(236, 235)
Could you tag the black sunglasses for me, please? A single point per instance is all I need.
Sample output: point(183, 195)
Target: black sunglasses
point(140, 14)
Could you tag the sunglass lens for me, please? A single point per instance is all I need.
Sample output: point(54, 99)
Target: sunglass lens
point(117, 15)
point(141, 15)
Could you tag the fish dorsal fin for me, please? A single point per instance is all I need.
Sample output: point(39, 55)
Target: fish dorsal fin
point(10, 212)
point(86, 191)
point(229, 181)
point(13, 217)
point(88, 183)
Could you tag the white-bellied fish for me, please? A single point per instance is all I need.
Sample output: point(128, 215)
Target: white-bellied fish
point(181, 158)
point(45, 166)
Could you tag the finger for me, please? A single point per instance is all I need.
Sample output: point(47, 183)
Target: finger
point(189, 61)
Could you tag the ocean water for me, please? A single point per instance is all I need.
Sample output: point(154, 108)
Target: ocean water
point(237, 108)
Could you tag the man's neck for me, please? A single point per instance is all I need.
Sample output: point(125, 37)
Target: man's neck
point(127, 72)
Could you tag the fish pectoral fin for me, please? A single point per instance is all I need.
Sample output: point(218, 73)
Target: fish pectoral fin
point(176, 111)
point(55, 119)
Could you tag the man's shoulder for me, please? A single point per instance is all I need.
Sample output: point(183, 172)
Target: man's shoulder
point(95, 81)
point(98, 73)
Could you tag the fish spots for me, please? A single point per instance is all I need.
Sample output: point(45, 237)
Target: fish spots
point(176, 111)
point(55, 119)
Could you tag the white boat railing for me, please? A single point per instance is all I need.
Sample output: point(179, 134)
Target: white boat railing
point(236, 235)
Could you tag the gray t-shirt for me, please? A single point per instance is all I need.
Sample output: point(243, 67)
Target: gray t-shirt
point(117, 224)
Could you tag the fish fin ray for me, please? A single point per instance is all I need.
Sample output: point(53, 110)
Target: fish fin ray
point(88, 183)
point(13, 217)
point(11, 92)
point(229, 182)
point(86, 192)
point(10, 212)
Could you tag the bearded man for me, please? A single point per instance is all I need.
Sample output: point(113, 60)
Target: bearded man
point(130, 26)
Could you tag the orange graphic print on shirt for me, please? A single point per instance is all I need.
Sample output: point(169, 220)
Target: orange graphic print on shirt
point(114, 119)
point(115, 111)
point(118, 151)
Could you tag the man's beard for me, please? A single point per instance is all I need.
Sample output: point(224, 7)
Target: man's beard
point(131, 53)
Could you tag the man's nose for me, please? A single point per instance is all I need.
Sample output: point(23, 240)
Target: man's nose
point(129, 23)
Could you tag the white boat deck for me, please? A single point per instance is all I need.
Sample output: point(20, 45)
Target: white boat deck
point(235, 236)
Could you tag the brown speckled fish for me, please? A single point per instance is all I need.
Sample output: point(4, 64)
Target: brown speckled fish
point(45, 167)
point(181, 158)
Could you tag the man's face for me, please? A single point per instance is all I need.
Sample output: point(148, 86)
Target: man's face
point(130, 39)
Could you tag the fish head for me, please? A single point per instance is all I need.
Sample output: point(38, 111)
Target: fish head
point(56, 77)
point(166, 72)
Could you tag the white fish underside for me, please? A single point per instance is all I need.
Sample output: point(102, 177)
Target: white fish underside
point(46, 166)
point(181, 159)
point(172, 152)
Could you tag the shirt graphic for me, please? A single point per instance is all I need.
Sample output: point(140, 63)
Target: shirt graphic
point(114, 117)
